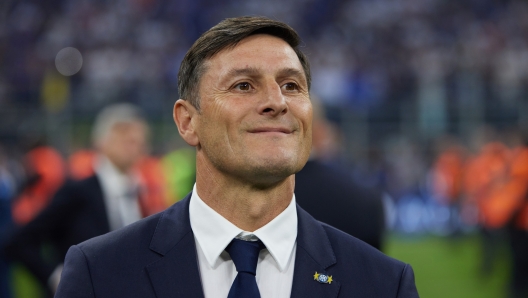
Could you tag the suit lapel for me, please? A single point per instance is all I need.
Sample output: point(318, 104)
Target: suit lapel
point(176, 273)
point(314, 254)
point(94, 193)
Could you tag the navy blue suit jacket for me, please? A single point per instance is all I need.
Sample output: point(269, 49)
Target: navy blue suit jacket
point(156, 257)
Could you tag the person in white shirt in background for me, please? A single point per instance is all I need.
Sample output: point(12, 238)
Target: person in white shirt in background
point(104, 202)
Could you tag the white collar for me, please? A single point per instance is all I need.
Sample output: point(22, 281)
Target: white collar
point(213, 232)
point(114, 180)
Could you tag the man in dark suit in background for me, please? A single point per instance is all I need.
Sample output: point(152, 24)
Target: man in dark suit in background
point(326, 190)
point(80, 210)
point(246, 109)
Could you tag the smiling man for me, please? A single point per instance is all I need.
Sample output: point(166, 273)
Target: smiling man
point(245, 107)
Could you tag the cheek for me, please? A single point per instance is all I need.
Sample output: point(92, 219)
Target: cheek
point(304, 114)
point(134, 149)
point(132, 145)
point(217, 125)
point(305, 117)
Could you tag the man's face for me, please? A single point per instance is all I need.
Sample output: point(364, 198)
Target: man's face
point(125, 144)
point(255, 113)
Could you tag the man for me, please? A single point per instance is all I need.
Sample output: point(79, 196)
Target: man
point(245, 107)
point(108, 200)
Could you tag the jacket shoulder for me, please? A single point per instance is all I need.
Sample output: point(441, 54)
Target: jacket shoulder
point(153, 235)
point(361, 264)
point(346, 246)
point(134, 236)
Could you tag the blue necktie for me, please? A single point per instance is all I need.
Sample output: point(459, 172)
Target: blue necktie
point(245, 256)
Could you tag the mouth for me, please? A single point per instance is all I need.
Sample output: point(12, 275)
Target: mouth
point(271, 130)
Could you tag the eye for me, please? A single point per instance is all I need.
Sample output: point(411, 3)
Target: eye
point(244, 86)
point(291, 86)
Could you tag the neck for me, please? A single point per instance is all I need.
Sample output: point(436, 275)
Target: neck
point(124, 169)
point(244, 204)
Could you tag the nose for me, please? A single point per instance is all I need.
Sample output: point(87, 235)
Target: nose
point(273, 101)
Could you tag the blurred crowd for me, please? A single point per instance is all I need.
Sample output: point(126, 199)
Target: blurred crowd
point(431, 91)
point(373, 55)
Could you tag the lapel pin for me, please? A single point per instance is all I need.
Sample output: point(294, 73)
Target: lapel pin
point(323, 278)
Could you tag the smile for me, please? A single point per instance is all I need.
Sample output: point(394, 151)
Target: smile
point(272, 130)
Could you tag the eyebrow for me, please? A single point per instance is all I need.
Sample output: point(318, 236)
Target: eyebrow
point(292, 72)
point(252, 71)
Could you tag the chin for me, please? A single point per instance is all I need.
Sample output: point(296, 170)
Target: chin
point(275, 170)
point(125, 166)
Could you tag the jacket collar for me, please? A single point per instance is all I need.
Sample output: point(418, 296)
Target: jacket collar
point(176, 273)
point(314, 255)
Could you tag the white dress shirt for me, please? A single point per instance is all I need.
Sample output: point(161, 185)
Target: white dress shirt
point(213, 233)
point(120, 193)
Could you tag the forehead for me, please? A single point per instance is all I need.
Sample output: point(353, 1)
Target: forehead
point(260, 51)
point(135, 125)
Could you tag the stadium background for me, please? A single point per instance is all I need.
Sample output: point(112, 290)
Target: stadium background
point(399, 79)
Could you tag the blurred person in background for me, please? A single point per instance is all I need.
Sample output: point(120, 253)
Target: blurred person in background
point(497, 183)
point(326, 189)
point(485, 172)
point(149, 172)
point(505, 208)
point(446, 180)
point(109, 199)
point(45, 173)
point(516, 203)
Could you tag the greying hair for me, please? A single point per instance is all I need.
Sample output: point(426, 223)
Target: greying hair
point(112, 115)
point(225, 34)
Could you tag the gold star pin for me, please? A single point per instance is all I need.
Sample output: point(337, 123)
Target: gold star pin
point(323, 278)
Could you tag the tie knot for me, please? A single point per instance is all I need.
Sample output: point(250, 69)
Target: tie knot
point(245, 254)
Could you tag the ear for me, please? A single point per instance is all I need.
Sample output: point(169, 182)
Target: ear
point(183, 115)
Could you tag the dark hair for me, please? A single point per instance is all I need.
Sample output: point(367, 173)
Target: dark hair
point(227, 34)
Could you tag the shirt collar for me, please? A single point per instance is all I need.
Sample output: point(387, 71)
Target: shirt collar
point(109, 173)
point(213, 232)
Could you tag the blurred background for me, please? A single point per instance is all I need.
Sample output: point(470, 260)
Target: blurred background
point(426, 101)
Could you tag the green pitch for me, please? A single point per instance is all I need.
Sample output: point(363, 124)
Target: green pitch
point(446, 267)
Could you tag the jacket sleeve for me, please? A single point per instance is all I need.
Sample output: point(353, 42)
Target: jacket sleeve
point(407, 288)
point(76, 281)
